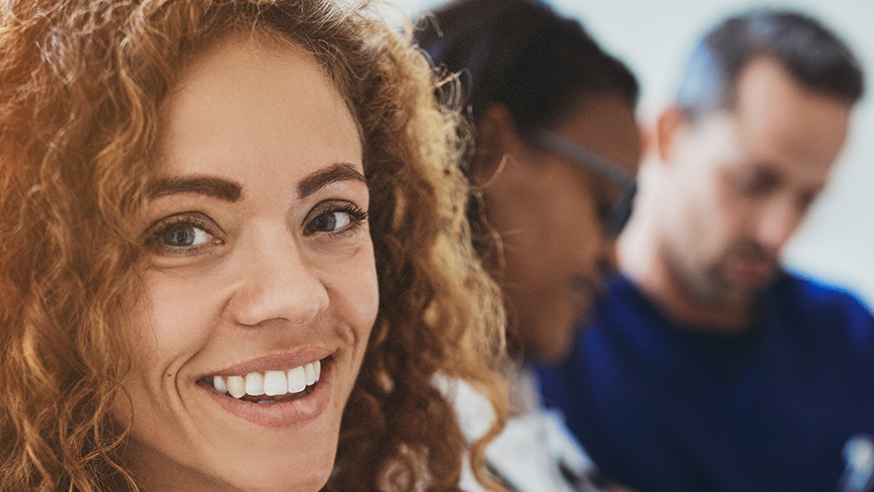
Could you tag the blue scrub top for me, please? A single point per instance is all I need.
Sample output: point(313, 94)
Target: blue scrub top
point(664, 407)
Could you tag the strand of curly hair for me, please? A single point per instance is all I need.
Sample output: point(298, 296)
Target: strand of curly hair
point(81, 83)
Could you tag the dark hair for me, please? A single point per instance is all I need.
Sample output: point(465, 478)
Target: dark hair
point(523, 55)
point(814, 56)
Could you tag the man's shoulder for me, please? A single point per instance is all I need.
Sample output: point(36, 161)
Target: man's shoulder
point(619, 289)
point(827, 314)
point(793, 298)
point(814, 295)
point(620, 297)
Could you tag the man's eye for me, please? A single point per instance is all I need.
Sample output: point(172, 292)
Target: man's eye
point(758, 183)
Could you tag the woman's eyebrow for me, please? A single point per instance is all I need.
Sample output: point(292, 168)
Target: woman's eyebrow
point(323, 177)
point(220, 188)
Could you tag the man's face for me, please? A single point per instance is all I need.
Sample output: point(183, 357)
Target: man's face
point(738, 182)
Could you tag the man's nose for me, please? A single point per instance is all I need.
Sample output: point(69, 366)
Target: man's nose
point(778, 220)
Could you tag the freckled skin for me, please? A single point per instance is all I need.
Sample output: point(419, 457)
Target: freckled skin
point(261, 284)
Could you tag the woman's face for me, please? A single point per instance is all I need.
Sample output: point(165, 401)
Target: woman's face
point(259, 280)
point(550, 212)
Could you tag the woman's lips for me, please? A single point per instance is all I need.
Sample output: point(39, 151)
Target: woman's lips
point(269, 383)
point(283, 361)
point(275, 397)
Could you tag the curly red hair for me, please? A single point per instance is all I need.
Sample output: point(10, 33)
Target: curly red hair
point(81, 82)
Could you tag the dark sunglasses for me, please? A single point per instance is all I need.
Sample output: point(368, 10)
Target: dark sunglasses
point(621, 210)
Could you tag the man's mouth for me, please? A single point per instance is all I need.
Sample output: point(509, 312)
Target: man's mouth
point(756, 266)
point(270, 386)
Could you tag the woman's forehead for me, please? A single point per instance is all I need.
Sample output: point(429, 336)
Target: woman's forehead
point(244, 101)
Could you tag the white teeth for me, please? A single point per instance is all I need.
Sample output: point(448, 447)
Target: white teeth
point(254, 384)
point(275, 383)
point(310, 373)
point(219, 384)
point(270, 383)
point(297, 380)
point(237, 386)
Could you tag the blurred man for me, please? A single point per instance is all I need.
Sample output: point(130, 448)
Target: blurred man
point(706, 366)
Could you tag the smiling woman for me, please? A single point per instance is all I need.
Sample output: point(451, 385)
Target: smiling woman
point(234, 254)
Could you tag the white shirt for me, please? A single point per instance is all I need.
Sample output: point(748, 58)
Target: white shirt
point(533, 447)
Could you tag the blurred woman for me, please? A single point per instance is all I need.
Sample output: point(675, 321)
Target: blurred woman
point(556, 152)
point(232, 256)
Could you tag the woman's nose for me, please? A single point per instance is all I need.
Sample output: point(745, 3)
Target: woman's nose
point(276, 282)
point(608, 261)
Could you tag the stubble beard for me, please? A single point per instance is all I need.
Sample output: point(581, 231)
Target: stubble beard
point(715, 286)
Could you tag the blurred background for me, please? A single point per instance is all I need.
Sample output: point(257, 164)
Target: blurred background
point(836, 242)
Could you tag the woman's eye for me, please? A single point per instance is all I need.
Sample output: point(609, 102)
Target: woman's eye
point(336, 220)
point(331, 221)
point(605, 208)
point(182, 235)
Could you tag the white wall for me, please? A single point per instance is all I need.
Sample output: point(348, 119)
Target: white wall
point(836, 242)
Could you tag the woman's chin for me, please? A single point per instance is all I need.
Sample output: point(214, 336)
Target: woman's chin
point(302, 469)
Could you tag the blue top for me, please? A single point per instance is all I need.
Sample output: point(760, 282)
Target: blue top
point(660, 406)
